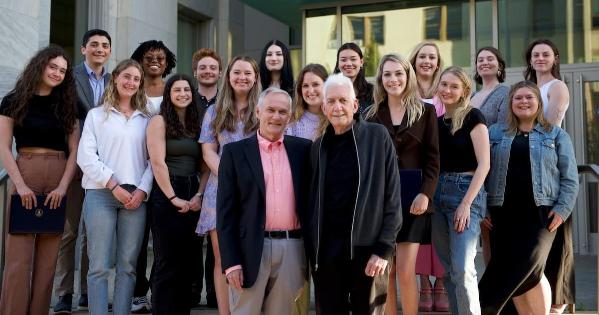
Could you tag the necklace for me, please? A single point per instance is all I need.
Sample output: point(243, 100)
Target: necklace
point(523, 133)
point(448, 125)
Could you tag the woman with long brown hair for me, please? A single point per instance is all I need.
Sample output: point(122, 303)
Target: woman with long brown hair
point(543, 68)
point(40, 112)
point(176, 194)
point(308, 119)
point(231, 119)
point(350, 62)
point(117, 177)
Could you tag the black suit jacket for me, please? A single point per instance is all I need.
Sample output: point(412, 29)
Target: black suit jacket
point(85, 94)
point(240, 206)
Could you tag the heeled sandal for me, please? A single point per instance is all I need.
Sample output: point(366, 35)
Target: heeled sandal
point(425, 304)
point(441, 300)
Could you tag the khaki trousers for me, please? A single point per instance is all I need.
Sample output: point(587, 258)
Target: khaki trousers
point(280, 280)
point(65, 267)
point(30, 259)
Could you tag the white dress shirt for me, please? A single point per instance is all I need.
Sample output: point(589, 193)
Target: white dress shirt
point(113, 146)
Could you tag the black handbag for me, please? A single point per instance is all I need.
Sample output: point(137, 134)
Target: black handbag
point(39, 220)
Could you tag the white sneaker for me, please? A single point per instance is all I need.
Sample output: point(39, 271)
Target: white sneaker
point(140, 305)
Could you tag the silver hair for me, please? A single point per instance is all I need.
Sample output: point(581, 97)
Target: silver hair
point(273, 90)
point(339, 79)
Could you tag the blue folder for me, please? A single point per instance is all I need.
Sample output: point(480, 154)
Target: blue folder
point(39, 220)
point(411, 182)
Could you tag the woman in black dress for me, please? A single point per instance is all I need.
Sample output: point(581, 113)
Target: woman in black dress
point(532, 189)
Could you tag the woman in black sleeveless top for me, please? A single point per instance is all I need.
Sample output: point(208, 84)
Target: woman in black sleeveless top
point(176, 194)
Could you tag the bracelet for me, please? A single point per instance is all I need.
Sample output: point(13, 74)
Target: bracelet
point(173, 197)
point(114, 187)
point(200, 195)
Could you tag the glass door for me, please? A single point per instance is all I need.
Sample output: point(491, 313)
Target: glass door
point(582, 123)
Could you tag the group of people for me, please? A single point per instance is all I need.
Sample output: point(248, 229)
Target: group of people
point(358, 186)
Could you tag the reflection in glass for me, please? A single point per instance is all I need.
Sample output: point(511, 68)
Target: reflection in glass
point(572, 25)
point(591, 113)
point(321, 37)
point(382, 28)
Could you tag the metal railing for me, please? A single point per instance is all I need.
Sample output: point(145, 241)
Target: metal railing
point(3, 204)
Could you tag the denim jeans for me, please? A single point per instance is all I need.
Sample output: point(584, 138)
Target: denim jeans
point(105, 217)
point(458, 250)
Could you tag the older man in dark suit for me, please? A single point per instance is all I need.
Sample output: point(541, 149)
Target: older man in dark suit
point(261, 203)
point(91, 77)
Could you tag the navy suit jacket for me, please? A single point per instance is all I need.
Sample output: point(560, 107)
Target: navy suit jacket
point(240, 206)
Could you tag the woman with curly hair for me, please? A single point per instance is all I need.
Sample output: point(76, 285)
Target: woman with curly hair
point(231, 119)
point(275, 66)
point(176, 195)
point(157, 61)
point(117, 177)
point(40, 112)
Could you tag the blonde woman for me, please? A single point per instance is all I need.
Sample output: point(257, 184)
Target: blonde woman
point(427, 64)
point(460, 199)
point(231, 119)
point(117, 177)
point(412, 126)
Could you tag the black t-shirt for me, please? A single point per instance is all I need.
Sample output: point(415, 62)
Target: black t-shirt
point(40, 127)
point(457, 151)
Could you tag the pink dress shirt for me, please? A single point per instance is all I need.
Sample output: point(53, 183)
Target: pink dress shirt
point(279, 194)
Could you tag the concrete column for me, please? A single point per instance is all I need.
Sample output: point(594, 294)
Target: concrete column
point(25, 28)
point(223, 45)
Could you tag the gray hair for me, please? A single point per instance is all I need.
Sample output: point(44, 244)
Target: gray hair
point(339, 79)
point(273, 90)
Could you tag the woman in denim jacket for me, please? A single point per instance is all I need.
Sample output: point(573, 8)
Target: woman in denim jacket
point(532, 188)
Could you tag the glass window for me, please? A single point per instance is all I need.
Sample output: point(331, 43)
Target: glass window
point(383, 28)
point(484, 24)
point(321, 37)
point(563, 22)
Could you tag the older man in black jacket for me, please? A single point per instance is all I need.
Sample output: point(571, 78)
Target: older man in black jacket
point(356, 207)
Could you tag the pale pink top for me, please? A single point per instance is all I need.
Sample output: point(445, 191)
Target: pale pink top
point(280, 197)
point(439, 107)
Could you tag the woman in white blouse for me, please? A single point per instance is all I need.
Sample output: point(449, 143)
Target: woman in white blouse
point(117, 177)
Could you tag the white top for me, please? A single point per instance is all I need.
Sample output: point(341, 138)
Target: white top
point(544, 96)
point(112, 145)
point(154, 104)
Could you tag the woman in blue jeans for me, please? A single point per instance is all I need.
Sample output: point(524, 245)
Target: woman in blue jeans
point(460, 199)
point(532, 187)
point(117, 177)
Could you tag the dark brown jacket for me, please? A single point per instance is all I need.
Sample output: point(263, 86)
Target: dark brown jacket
point(417, 146)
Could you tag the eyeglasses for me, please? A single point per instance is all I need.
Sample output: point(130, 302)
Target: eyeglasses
point(151, 58)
